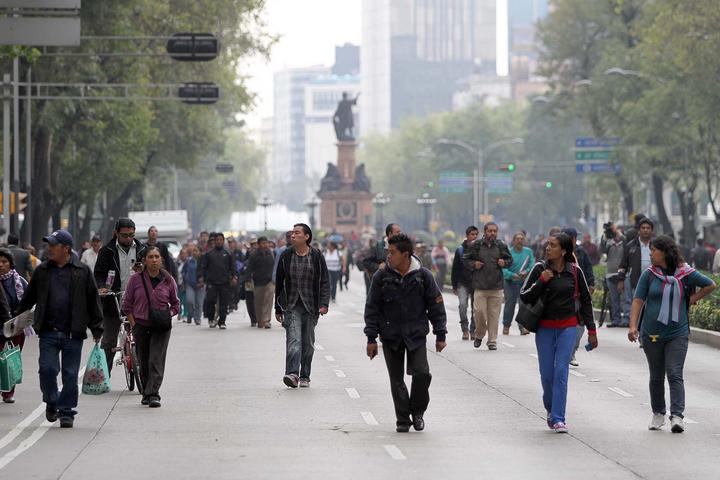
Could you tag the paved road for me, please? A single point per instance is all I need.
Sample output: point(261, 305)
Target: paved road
point(227, 415)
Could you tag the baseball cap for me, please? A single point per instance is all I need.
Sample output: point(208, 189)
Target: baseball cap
point(62, 237)
point(571, 231)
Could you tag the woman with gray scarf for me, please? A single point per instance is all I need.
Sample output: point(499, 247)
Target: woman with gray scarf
point(666, 290)
point(14, 286)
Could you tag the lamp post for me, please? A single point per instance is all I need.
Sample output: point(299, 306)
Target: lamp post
point(480, 191)
point(312, 204)
point(426, 201)
point(265, 203)
point(379, 202)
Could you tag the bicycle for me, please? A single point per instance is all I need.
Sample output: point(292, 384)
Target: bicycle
point(127, 348)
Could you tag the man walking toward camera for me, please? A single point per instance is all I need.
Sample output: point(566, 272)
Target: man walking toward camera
point(403, 298)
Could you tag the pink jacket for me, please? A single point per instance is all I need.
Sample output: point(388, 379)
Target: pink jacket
point(163, 296)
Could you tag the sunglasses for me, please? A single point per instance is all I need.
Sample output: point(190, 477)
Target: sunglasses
point(126, 235)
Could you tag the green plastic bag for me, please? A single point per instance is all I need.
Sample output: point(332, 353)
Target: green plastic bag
point(11, 369)
point(96, 380)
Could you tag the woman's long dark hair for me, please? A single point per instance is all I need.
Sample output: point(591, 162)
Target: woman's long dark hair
point(673, 257)
point(567, 244)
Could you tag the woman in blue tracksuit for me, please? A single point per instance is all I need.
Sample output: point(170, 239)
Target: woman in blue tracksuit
point(194, 291)
point(561, 284)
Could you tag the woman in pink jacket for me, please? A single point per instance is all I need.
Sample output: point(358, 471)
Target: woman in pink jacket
point(151, 339)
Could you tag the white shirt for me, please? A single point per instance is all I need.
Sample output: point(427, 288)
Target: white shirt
point(89, 257)
point(332, 260)
point(644, 255)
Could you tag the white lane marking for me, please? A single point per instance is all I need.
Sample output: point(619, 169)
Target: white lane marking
point(352, 393)
point(689, 420)
point(329, 358)
point(534, 355)
point(12, 434)
point(508, 344)
point(25, 444)
point(394, 452)
point(369, 418)
point(319, 347)
point(620, 392)
point(339, 373)
point(576, 373)
point(355, 325)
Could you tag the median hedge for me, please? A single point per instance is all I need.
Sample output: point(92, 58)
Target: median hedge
point(706, 314)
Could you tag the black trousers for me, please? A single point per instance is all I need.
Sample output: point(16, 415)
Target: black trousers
point(152, 351)
point(211, 297)
point(417, 400)
point(250, 304)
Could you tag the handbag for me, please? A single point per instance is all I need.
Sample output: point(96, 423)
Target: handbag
point(160, 319)
point(11, 369)
point(529, 314)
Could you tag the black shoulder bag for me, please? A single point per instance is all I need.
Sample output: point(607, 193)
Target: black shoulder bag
point(529, 315)
point(160, 319)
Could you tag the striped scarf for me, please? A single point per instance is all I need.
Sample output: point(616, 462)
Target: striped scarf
point(671, 284)
point(19, 287)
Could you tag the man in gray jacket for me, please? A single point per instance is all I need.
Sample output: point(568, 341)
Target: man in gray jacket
point(613, 245)
point(486, 258)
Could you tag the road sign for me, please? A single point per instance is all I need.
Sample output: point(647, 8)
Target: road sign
point(596, 167)
point(455, 182)
point(498, 182)
point(592, 155)
point(590, 142)
point(40, 4)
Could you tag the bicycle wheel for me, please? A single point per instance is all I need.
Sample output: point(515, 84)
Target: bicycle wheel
point(129, 365)
point(136, 368)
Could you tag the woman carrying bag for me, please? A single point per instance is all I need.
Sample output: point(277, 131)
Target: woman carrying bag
point(667, 291)
point(150, 302)
point(14, 286)
point(560, 284)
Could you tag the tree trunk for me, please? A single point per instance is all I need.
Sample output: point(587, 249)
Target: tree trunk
point(658, 189)
point(627, 195)
point(42, 197)
point(87, 220)
point(688, 209)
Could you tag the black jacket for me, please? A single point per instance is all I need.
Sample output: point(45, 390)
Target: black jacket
point(86, 309)
point(585, 264)
point(21, 257)
point(559, 294)
point(631, 261)
point(377, 255)
point(5, 313)
point(490, 276)
point(109, 259)
point(260, 267)
point(460, 274)
point(399, 308)
point(217, 267)
point(321, 281)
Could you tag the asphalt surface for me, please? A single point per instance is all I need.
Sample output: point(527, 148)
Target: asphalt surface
point(227, 415)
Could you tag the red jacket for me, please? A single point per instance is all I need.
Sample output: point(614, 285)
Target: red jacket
point(163, 296)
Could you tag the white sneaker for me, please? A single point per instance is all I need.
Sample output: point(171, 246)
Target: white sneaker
point(574, 362)
point(657, 422)
point(677, 425)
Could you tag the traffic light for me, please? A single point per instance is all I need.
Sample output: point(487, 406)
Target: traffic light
point(193, 47)
point(427, 184)
point(548, 184)
point(15, 201)
point(507, 167)
point(199, 93)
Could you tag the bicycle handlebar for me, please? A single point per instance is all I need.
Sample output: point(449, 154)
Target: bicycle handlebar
point(110, 294)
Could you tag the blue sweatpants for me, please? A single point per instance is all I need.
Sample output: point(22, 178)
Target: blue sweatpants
point(555, 347)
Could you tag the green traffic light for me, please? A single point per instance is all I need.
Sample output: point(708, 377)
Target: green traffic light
point(548, 185)
point(511, 167)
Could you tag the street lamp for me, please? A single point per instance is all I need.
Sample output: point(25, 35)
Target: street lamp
point(265, 203)
point(480, 203)
point(312, 204)
point(426, 201)
point(380, 201)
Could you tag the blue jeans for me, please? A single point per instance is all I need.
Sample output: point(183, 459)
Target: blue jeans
point(619, 304)
point(335, 276)
point(465, 298)
point(58, 348)
point(512, 293)
point(555, 347)
point(299, 340)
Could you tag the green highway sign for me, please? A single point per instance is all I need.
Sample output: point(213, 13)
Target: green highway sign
point(592, 155)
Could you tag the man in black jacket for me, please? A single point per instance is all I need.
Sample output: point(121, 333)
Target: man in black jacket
point(122, 255)
point(403, 298)
point(23, 264)
point(302, 294)
point(636, 257)
point(376, 259)
point(68, 304)
point(167, 258)
point(486, 258)
point(261, 267)
point(461, 280)
point(217, 271)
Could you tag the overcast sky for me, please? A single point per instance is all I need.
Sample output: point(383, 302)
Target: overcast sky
point(309, 30)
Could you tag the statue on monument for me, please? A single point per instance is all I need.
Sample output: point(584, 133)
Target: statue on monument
point(361, 182)
point(332, 180)
point(343, 118)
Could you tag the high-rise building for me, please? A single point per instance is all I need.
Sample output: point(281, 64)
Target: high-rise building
point(415, 50)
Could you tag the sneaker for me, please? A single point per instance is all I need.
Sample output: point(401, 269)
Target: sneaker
point(677, 425)
point(51, 414)
point(477, 342)
point(8, 399)
point(492, 346)
point(574, 362)
point(66, 422)
point(466, 336)
point(291, 380)
point(222, 327)
point(212, 324)
point(304, 383)
point(657, 422)
point(506, 330)
point(154, 402)
point(560, 427)
point(549, 421)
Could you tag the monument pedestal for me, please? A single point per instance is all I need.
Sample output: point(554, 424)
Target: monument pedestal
point(346, 205)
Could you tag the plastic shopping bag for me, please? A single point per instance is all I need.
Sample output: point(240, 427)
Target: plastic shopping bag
point(11, 370)
point(96, 380)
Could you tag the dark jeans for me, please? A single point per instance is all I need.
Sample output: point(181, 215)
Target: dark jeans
point(59, 352)
point(512, 293)
point(440, 275)
point(299, 340)
point(334, 279)
point(666, 357)
point(152, 350)
point(111, 330)
point(417, 366)
point(250, 304)
point(213, 293)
